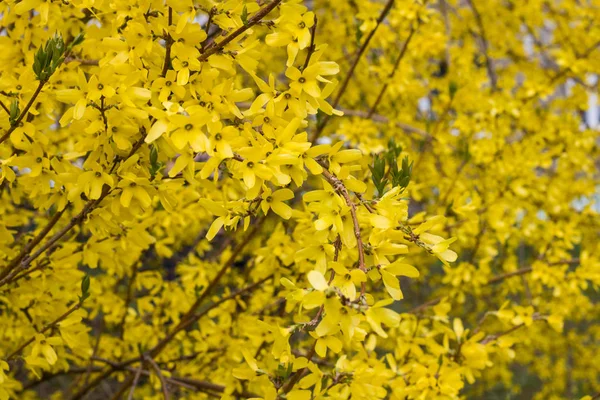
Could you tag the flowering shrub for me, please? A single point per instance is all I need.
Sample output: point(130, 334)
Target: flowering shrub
point(299, 200)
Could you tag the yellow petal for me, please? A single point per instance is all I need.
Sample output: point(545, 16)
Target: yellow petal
point(317, 280)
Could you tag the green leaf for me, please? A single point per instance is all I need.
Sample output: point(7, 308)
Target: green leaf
point(85, 288)
point(452, 88)
point(77, 40)
point(49, 57)
point(14, 112)
point(378, 174)
point(358, 34)
point(155, 165)
point(153, 155)
point(401, 178)
point(245, 15)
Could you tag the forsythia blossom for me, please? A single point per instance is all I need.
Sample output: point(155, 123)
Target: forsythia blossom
point(298, 200)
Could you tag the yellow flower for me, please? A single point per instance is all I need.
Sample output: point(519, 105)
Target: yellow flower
point(275, 201)
point(188, 130)
point(34, 160)
point(135, 188)
point(167, 86)
point(306, 80)
point(43, 346)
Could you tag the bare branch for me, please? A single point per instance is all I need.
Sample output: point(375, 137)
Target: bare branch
point(392, 73)
point(163, 382)
point(489, 62)
point(256, 18)
point(24, 112)
point(348, 77)
point(339, 187)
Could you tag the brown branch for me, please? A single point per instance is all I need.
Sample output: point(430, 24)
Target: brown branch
point(10, 272)
point(353, 66)
point(188, 383)
point(492, 281)
point(563, 72)
point(159, 347)
point(31, 245)
point(83, 391)
point(41, 265)
point(339, 187)
point(168, 44)
point(489, 62)
point(4, 107)
point(133, 150)
point(209, 289)
point(491, 338)
point(211, 14)
point(129, 294)
point(71, 371)
point(24, 112)
point(136, 378)
point(312, 47)
point(385, 120)
point(44, 329)
point(187, 320)
point(204, 385)
point(191, 318)
point(95, 351)
point(566, 69)
point(392, 73)
point(24, 264)
point(296, 377)
point(502, 277)
point(256, 18)
point(81, 61)
point(425, 305)
point(163, 382)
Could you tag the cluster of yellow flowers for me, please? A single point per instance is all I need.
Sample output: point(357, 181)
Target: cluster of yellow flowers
point(301, 200)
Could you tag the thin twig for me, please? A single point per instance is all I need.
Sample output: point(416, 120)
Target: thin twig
point(502, 277)
point(44, 329)
point(24, 112)
point(24, 264)
point(296, 377)
point(312, 47)
point(136, 378)
point(392, 73)
point(256, 18)
point(489, 62)
point(163, 382)
point(339, 187)
point(491, 338)
point(12, 270)
point(129, 294)
point(348, 77)
point(81, 61)
point(209, 289)
point(4, 107)
point(385, 120)
point(189, 321)
point(491, 281)
point(157, 349)
point(168, 44)
point(34, 242)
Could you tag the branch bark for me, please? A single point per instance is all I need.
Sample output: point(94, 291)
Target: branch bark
point(348, 77)
point(256, 18)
